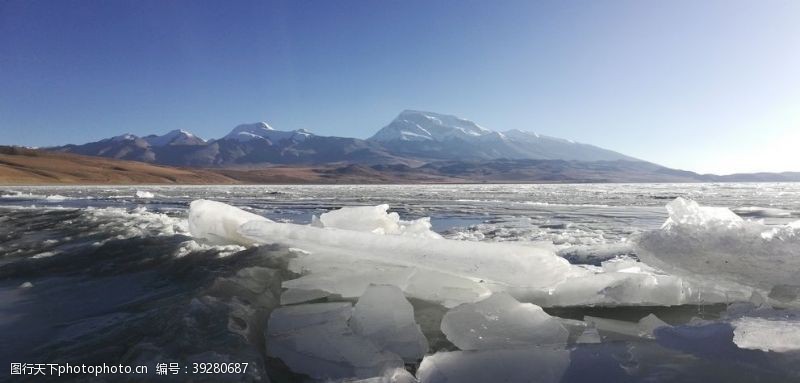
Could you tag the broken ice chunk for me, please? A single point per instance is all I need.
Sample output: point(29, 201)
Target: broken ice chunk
point(144, 194)
point(720, 252)
point(315, 340)
point(532, 266)
point(500, 322)
point(384, 316)
point(292, 318)
point(541, 365)
point(629, 286)
point(347, 279)
point(447, 289)
point(785, 294)
point(650, 323)
point(396, 375)
point(644, 328)
point(293, 296)
point(375, 219)
point(218, 223)
point(767, 334)
point(589, 336)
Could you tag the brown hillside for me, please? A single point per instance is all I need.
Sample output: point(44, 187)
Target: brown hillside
point(29, 166)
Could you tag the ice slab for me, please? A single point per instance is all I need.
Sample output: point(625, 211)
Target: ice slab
point(446, 289)
point(644, 328)
point(589, 336)
point(293, 296)
point(219, 223)
point(349, 277)
point(506, 264)
point(396, 375)
point(720, 252)
point(785, 294)
point(316, 340)
point(144, 194)
point(541, 365)
point(295, 318)
point(620, 282)
point(767, 334)
point(375, 219)
point(343, 275)
point(384, 316)
point(501, 322)
point(450, 272)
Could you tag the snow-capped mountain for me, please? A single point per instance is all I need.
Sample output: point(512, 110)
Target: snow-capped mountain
point(262, 131)
point(438, 136)
point(412, 125)
point(246, 144)
point(413, 138)
point(175, 137)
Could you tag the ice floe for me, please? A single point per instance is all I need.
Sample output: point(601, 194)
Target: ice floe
point(544, 365)
point(721, 252)
point(779, 335)
point(144, 194)
point(315, 340)
point(384, 316)
point(375, 219)
point(344, 262)
point(219, 223)
point(501, 322)
point(644, 328)
point(495, 291)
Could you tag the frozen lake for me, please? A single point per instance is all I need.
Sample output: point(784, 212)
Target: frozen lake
point(107, 274)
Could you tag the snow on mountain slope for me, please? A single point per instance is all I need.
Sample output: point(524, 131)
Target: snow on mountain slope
point(175, 137)
point(439, 136)
point(412, 137)
point(412, 125)
point(262, 130)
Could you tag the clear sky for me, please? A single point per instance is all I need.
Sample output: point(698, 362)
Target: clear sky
point(709, 86)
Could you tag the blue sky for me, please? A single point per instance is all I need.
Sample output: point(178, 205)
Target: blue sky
point(709, 86)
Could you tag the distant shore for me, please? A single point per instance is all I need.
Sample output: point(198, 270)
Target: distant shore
point(23, 166)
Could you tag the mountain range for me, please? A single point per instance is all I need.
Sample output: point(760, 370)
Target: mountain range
point(416, 146)
point(412, 138)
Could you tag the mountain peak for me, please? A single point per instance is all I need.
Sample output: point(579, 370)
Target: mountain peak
point(262, 131)
point(174, 137)
point(123, 137)
point(415, 125)
point(440, 136)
